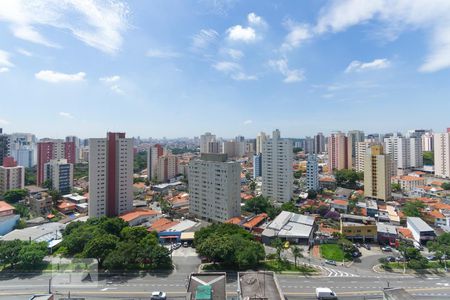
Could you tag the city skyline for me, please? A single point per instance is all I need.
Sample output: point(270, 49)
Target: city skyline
point(243, 66)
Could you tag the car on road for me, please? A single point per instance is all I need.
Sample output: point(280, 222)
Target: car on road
point(158, 296)
point(367, 246)
point(176, 246)
point(390, 259)
point(330, 262)
point(400, 259)
point(325, 293)
point(386, 249)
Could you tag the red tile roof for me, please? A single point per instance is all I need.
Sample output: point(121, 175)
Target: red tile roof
point(255, 221)
point(134, 214)
point(234, 220)
point(340, 202)
point(4, 206)
point(162, 225)
point(405, 232)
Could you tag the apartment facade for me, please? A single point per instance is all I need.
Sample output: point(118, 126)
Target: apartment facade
point(11, 176)
point(406, 153)
point(360, 155)
point(4, 146)
point(48, 149)
point(214, 187)
point(153, 154)
point(205, 139)
point(257, 165)
point(338, 152)
point(377, 174)
point(167, 168)
point(319, 143)
point(354, 137)
point(60, 173)
point(110, 175)
point(277, 171)
point(442, 154)
point(312, 173)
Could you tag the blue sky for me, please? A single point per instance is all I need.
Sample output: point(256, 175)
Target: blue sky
point(180, 68)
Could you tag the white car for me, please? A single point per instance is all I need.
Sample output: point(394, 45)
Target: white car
point(158, 296)
point(325, 293)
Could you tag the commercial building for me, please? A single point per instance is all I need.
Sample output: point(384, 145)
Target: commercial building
point(214, 187)
point(277, 171)
point(11, 176)
point(153, 153)
point(421, 231)
point(442, 154)
point(60, 175)
point(110, 175)
point(377, 174)
point(312, 173)
point(257, 165)
point(48, 149)
point(338, 152)
point(167, 168)
point(291, 227)
point(359, 228)
point(259, 285)
point(140, 216)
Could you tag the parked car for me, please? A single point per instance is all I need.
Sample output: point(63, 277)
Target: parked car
point(325, 293)
point(176, 246)
point(386, 249)
point(367, 246)
point(390, 259)
point(185, 244)
point(158, 296)
point(431, 257)
point(356, 254)
point(400, 259)
point(330, 262)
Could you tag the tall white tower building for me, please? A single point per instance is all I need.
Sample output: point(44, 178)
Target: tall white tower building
point(214, 187)
point(442, 154)
point(277, 172)
point(205, 139)
point(260, 139)
point(312, 173)
point(110, 175)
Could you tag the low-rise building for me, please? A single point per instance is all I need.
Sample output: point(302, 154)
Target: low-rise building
point(140, 216)
point(259, 285)
point(291, 227)
point(421, 231)
point(207, 286)
point(11, 176)
point(328, 183)
point(359, 228)
point(8, 219)
point(40, 203)
point(340, 205)
point(386, 234)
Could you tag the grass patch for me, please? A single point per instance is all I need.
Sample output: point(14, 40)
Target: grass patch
point(429, 265)
point(333, 252)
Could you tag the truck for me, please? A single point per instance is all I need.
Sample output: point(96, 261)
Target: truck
point(325, 294)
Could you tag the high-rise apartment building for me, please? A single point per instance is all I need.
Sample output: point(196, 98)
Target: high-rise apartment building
point(354, 137)
point(277, 171)
point(205, 139)
point(214, 147)
point(60, 174)
point(360, 157)
point(260, 139)
point(167, 168)
point(110, 175)
point(76, 141)
point(406, 153)
point(257, 165)
point(308, 145)
point(153, 154)
point(312, 173)
point(427, 141)
point(214, 187)
point(442, 154)
point(11, 176)
point(48, 149)
point(338, 152)
point(23, 148)
point(377, 174)
point(4, 146)
point(319, 143)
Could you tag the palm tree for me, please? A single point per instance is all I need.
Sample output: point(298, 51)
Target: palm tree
point(278, 245)
point(297, 252)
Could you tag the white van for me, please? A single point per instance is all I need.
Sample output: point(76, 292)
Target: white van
point(325, 293)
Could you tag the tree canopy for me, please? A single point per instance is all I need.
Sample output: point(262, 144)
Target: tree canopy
point(115, 245)
point(261, 204)
point(22, 255)
point(413, 208)
point(229, 245)
point(348, 178)
point(12, 196)
point(446, 186)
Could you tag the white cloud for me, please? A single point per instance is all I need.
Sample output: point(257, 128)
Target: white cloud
point(395, 17)
point(248, 122)
point(298, 33)
point(235, 54)
point(24, 52)
point(115, 88)
point(57, 77)
point(99, 24)
point(204, 38)
point(66, 115)
point(156, 53)
point(234, 70)
point(290, 75)
point(377, 64)
point(4, 122)
point(4, 69)
point(239, 33)
point(5, 59)
point(255, 20)
point(109, 79)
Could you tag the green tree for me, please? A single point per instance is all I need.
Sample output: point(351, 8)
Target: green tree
point(30, 176)
point(47, 184)
point(441, 245)
point(32, 254)
point(298, 174)
point(252, 186)
point(348, 178)
point(413, 208)
point(12, 196)
point(279, 246)
point(22, 210)
point(312, 194)
point(396, 187)
point(81, 170)
point(428, 158)
point(297, 150)
point(446, 186)
point(140, 162)
point(297, 253)
point(56, 195)
point(289, 206)
point(9, 252)
point(100, 246)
